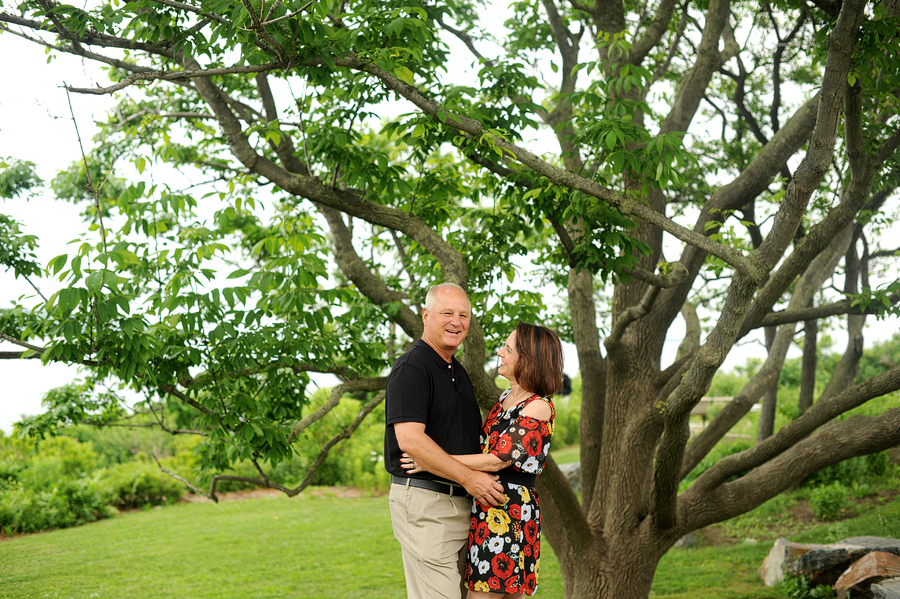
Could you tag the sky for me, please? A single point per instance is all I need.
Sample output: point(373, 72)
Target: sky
point(36, 125)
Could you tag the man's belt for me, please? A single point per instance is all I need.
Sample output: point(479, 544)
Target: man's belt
point(516, 477)
point(431, 485)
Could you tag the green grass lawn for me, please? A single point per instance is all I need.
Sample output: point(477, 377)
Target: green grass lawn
point(314, 547)
point(323, 547)
point(564, 455)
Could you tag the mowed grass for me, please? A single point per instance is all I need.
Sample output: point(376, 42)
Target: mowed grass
point(309, 547)
point(318, 547)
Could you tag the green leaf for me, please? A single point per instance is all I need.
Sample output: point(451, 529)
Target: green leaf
point(405, 75)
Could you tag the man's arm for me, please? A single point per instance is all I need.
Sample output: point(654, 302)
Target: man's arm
point(429, 456)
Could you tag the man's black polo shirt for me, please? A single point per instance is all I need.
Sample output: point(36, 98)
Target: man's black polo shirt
point(422, 387)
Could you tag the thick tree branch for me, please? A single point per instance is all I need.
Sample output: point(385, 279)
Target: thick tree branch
point(856, 436)
point(696, 80)
point(847, 306)
point(630, 315)
point(653, 34)
point(767, 376)
point(790, 437)
point(368, 284)
point(668, 466)
point(370, 384)
point(171, 390)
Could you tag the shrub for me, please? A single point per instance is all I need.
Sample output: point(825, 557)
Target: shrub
point(70, 503)
point(118, 445)
point(136, 484)
point(567, 422)
point(58, 459)
point(799, 587)
point(828, 501)
point(873, 466)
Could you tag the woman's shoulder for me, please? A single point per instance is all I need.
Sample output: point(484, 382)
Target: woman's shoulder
point(538, 407)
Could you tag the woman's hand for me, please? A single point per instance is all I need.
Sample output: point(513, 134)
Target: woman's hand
point(408, 463)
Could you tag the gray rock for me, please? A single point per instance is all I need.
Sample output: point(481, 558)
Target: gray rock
point(825, 565)
point(572, 470)
point(689, 540)
point(886, 589)
point(783, 552)
point(875, 544)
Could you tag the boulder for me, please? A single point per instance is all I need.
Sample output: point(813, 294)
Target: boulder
point(783, 552)
point(864, 572)
point(689, 540)
point(894, 455)
point(572, 470)
point(886, 589)
point(824, 565)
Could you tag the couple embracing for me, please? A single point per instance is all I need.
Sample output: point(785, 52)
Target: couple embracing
point(463, 503)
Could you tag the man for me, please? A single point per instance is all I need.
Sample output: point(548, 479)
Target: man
point(431, 412)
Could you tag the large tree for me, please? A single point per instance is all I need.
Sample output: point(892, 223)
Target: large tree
point(736, 159)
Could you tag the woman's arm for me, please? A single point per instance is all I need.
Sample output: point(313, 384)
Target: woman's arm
point(484, 462)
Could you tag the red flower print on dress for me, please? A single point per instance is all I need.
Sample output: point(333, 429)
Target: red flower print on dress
point(532, 443)
point(494, 582)
point(502, 565)
point(530, 584)
point(512, 585)
point(504, 445)
point(481, 533)
point(515, 511)
point(531, 531)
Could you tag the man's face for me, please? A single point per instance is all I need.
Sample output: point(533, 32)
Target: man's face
point(447, 325)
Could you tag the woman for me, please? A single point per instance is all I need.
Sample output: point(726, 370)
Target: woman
point(505, 541)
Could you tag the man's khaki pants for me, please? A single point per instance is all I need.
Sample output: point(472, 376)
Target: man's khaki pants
point(433, 531)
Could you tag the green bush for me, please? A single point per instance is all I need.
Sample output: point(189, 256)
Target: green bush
point(799, 587)
point(136, 484)
point(69, 503)
point(872, 466)
point(57, 459)
point(117, 445)
point(567, 422)
point(828, 501)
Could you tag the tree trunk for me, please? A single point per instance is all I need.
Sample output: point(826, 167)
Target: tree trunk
point(810, 360)
point(770, 400)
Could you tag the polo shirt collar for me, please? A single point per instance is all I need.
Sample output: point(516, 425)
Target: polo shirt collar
point(441, 363)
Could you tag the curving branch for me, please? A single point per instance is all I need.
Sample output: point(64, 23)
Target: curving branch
point(856, 436)
point(843, 307)
point(654, 32)
point(366, 282)
point(788, 438)
point(370, 384)
point(670, 452)
point(630, 315)
point(676, 277)
point(14, 341)
point(171, 390)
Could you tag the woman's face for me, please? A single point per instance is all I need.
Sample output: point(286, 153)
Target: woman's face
point(509, 357)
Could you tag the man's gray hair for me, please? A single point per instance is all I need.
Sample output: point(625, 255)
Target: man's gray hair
point(431, 296)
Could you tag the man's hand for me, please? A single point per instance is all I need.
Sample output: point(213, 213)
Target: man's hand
point(485, 488)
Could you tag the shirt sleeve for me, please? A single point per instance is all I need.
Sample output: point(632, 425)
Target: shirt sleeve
point(525, 444)
point(408, 393)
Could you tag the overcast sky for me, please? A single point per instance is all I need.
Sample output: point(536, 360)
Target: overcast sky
point(36, 125)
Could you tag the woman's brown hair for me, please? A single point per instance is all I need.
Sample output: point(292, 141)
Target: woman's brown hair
point(540, 366)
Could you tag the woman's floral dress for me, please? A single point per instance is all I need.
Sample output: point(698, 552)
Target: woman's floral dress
point(505, 541)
